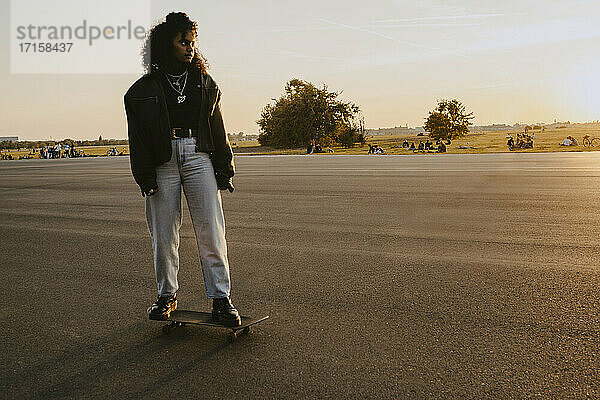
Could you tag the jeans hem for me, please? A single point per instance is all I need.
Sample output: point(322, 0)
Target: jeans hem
point(217, 297)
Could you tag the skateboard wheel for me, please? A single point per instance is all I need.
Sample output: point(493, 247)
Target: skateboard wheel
point(231, 336)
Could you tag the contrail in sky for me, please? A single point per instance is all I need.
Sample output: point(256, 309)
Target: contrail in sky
point(405, 25)
point(375, 33)
point(443, 17)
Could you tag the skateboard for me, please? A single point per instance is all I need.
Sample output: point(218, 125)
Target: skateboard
point(184, 317)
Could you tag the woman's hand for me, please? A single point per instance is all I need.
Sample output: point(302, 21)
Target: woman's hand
point(224, 183)
point(152, 191)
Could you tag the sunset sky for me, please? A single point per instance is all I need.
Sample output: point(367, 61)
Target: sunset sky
point(511, 61)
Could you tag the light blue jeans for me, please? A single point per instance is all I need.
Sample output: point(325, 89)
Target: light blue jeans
point(194, 172)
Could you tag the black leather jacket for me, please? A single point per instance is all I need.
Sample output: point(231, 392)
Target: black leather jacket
point(149, 129)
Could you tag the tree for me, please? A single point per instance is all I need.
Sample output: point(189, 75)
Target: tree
point(69, 142)
point(349, 134)
point(305, 112)
point(448, 120)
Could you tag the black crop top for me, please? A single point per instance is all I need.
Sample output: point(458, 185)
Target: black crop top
point(186, 114)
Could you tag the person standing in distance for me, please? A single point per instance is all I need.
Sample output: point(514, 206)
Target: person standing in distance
point(177, 140)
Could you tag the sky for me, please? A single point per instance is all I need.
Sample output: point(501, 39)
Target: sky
point(508, 62)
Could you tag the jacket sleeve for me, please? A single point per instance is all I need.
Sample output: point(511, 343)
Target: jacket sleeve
point(142, 168)
point(223, 155)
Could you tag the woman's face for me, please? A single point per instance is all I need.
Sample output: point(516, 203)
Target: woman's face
point(183, 47)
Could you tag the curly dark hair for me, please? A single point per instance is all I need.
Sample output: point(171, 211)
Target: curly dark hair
point(158, 46)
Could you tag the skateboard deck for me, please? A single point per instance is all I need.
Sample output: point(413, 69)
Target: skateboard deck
point(184, 317)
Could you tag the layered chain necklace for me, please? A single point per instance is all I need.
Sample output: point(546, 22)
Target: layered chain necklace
point(178, 83)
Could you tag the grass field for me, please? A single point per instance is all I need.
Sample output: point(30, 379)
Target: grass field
point(485, 142)
point(88, 150)
point(496, 142)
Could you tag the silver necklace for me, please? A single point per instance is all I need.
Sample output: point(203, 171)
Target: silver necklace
point(177, 85)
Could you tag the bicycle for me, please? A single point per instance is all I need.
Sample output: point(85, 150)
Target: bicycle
point(589, 141)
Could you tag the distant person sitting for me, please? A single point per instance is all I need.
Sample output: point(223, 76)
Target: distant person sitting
point(310, 147)
point(405, 144)
point(375, 150)
point(569, 141)
point(421, 146)
point(412, 146)
point(511, 144)
point(524, 141)
point(441, 148)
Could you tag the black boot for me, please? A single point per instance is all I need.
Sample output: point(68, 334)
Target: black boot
point(225, 313)
point(162, 308)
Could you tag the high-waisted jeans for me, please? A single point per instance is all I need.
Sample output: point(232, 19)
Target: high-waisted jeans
point(194, 172)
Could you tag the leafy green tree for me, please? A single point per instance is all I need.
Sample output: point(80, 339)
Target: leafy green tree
point(69, 142)
point(8, 144)
point(349, 134)
point(305, 112)
point(448, 120)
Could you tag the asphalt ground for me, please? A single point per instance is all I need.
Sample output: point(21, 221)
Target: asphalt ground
point(441, 276)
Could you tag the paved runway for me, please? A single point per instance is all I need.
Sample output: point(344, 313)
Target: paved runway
point(441, 276)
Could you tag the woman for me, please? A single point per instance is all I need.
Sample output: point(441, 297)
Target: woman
point(177, 140)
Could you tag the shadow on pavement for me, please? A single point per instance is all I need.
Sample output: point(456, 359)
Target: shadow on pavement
point(96, 368)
